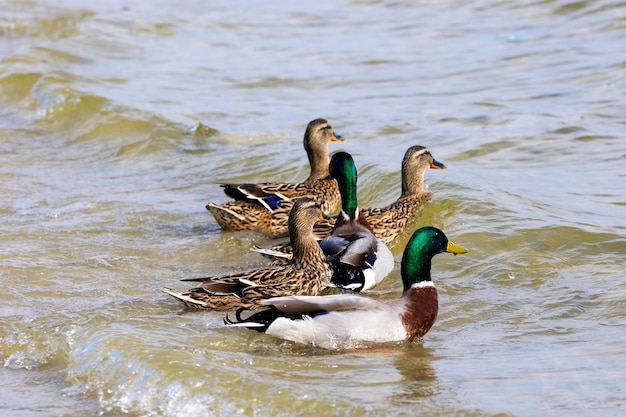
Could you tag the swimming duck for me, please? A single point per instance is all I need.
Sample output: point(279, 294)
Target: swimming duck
point(348, 321)
point(359, 259)
point(266, 206)
point(389, 222)
point(307, 273)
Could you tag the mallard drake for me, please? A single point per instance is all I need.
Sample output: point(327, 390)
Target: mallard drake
point(348, 321)
point(266, 206)
point(307, 273)
point(359, 259)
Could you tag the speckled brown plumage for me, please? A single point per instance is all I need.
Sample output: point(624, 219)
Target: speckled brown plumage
point(389, 222)
point(306, 274)
point(252, 211)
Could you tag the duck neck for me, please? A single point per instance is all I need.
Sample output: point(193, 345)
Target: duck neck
point(414, 165)
point(417, 257)
point(305, 247)
point(346, 180)
point(318, 160)
point(415, 268)
point(412, 184)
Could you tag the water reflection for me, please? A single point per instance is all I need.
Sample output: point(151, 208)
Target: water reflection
point(419, 378)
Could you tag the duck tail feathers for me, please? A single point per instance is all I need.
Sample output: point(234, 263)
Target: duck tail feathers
point(259, 320)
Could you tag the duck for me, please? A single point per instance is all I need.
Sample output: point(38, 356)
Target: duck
point(348, 321)
point(266, 206)
point(307, 273)
point(390, 221)
point(359, 259)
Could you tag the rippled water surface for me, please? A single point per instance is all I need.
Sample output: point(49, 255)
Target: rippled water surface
point(118, 119)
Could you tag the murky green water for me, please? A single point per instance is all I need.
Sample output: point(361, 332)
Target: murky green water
point(117, 120)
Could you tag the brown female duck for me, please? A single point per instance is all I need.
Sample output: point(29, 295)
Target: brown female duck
point(389, 222)
point(266, 206)
point(306, 274)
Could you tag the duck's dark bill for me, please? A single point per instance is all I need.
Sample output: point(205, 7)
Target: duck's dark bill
point(437, 165)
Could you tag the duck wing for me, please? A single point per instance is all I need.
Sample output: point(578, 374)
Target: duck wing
point(307, 305)
point(355, 249)
point(259, 193)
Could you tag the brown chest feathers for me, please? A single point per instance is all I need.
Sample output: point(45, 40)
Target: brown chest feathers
point(421, 309)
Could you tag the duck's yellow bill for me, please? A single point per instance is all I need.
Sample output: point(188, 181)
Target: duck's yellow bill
point(455, 249)
point(336, 138)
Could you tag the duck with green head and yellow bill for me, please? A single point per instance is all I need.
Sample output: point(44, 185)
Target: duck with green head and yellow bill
point(346, 321)
point(307, 273)
point(266, 206)
point(359, 259)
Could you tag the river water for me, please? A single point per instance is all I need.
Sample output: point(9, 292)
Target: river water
point(117, 120)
